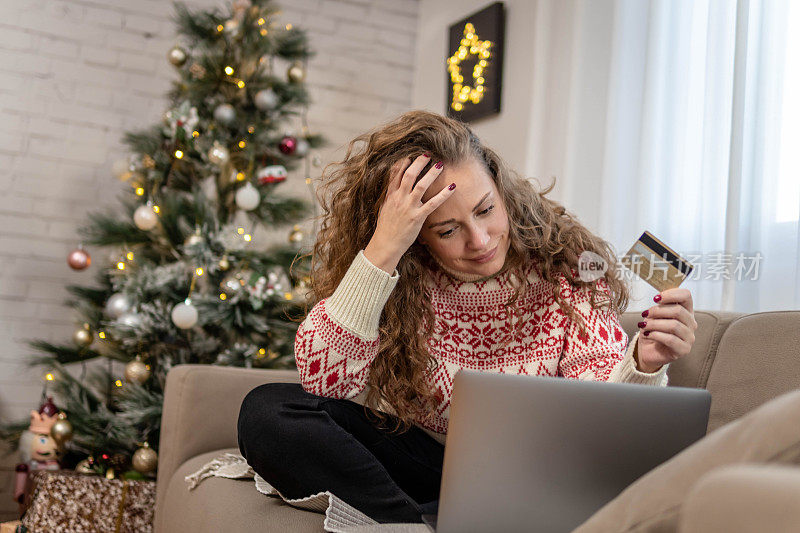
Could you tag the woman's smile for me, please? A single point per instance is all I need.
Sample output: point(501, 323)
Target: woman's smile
point(486, 257)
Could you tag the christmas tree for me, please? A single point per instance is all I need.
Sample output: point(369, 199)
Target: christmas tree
point(186, 281)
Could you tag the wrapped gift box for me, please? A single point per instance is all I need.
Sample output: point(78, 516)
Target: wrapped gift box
point(67, 501)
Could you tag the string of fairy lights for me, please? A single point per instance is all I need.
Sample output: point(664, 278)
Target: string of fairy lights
point(470, 45)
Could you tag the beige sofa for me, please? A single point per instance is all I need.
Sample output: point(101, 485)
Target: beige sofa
point(743, 360)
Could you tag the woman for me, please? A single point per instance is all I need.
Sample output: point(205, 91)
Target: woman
point(434, 256)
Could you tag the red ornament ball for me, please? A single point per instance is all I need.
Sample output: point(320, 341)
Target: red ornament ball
point(79, 259)
point(288, 145)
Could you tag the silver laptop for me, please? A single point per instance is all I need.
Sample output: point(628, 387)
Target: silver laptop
point(542, 454)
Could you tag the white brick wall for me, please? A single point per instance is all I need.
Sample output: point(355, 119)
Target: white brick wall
point(76, 74)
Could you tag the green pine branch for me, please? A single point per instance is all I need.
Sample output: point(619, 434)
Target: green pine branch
point(293, 44)
point(106, 229)
point(148, 141)
point(197, 26)
point(279, 210)
point(59, 354)
point(92, 295)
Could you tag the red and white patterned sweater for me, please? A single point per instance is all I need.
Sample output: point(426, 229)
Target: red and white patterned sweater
point(338, 340)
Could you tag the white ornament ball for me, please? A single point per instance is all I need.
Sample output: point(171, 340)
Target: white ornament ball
point(193, 240)
point(231, 26)
point(131, 320)
point(266, 99)
point(145, 218)
point(218, 154)
point(117, 305)
point(247, 197)
point(225, 114)
point(301, 148)
point(177, 56)
point(184, 314)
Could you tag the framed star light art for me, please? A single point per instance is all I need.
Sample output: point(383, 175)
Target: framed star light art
point(475, 64)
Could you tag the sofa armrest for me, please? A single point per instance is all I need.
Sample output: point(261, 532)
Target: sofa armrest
point(201, 409)
point(744, 498)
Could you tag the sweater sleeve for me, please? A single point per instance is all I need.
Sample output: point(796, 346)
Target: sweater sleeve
point(604, 354)
point(338, 340)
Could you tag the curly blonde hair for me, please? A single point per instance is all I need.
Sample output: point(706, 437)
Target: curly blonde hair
point(541, 230)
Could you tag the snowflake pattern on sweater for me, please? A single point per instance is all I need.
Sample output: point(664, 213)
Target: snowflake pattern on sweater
point(472, 325)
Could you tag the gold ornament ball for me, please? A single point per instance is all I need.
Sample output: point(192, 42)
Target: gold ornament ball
point(132, 176)
point(83, 337)
point(296, 73)
point(218, 154)
point(224, 264)
point(136, 371)
point(61, 430)
point(296, 236)
point(177, 56)
point(145, 459)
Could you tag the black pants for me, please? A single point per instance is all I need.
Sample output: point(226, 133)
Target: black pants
point(303, 444)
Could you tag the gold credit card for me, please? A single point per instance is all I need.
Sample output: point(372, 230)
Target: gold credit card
point(656, 263)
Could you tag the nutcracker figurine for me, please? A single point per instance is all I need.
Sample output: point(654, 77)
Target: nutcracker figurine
point(39, 450)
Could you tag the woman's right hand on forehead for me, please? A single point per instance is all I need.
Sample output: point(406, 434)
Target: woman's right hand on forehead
point(402, 214)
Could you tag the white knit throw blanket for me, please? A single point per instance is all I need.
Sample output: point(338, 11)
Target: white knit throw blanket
point(339, 516)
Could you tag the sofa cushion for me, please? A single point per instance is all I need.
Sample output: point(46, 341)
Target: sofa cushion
point(215, 391)
point(756, 361)
point(230, 505)
point(770, 434)
point(744, 498)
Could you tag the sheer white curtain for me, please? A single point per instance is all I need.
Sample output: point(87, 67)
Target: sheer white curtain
point(698, 138)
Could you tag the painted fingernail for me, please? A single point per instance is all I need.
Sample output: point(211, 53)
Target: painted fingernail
point(646, 333)
point(426, 155)
point(452, 186)
point(642, 324)
point(645, 312)
point(439, 164)
point(657, 298)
